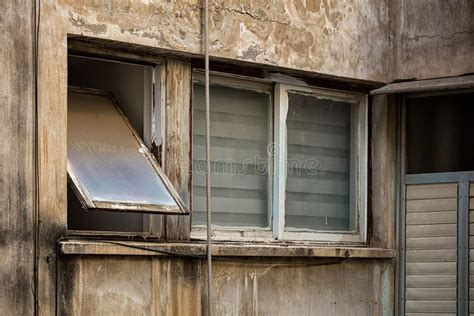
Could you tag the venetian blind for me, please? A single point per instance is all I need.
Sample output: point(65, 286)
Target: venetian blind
point(239, 138)
point(319, 165)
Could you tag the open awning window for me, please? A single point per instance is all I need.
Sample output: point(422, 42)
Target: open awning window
point(109, 167)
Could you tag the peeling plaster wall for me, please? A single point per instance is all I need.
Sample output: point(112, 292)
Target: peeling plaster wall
point(336, 38)
point(344, 38)
point(341, 38)
point(432, 38)
point(170, 286)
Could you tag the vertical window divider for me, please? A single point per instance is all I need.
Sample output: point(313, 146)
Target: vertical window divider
point(148, 93)
point(363, 157)
point(279, 155)
point(157, 122)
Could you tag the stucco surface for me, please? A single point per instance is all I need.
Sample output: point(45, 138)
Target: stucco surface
point(432, 38)
point(173, 286)
point(341, 38)
point(362, 40)
point(16, 159)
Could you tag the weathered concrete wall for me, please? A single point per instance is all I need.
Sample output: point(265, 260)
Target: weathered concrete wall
point(16, 158)
point(346, 39)
point(341, 38)
point(432, 38)
point(337, 38)
point(383, 164)
point(171, 286)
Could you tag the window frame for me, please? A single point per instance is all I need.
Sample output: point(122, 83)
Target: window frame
point(154, 119)
point(239, 232)
point(277, 170)
point(280, 232)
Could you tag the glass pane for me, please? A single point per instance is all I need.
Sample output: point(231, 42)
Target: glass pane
point(319, 166)
point(239, 139)
point(107, 162)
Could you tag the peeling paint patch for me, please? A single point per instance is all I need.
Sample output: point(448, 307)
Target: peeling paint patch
point(259, 15)
point(83, 23)
point(252, 52)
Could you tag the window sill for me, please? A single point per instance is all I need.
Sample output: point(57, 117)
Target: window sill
point(219, 249)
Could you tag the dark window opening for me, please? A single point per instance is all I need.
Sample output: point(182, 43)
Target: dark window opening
point(440, 133)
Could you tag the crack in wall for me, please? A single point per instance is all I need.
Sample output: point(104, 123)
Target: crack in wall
point(253, 15)
point(417, 37)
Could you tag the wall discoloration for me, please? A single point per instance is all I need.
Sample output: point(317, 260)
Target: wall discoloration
point(178, 142)
point(105, 286)
point(332, 38)
point(52, 101)
point(384, 170)
point(432, 38)
point(176, 278)
point(16, 158)
point(82, 23)
point(319, 36)
point(289, 287)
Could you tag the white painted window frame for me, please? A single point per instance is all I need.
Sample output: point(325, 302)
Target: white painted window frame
point(277, 182)
point(280, 232)
point(248, 233)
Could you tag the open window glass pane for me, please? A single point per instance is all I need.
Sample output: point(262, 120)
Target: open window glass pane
point(109, 167)
point(320, 166)
point(239, 161)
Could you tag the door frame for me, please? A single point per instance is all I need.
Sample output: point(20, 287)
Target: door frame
point(463, 179)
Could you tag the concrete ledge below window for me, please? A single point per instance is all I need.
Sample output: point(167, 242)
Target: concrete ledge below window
point(219, 249)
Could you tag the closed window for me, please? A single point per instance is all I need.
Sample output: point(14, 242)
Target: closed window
point(287, 162)
point(319, 171)
point(240, 136)
point(322, 137)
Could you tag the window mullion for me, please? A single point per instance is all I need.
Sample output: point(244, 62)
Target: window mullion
point(279, 151)
point(363, 130)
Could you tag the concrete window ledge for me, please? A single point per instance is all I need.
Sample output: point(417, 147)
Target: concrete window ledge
point(219, 249)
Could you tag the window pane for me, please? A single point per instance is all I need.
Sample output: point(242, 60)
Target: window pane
point(107, 163)
point(239, 139)
point(319, 166)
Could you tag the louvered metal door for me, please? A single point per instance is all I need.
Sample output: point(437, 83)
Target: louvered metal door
point(435, 268)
